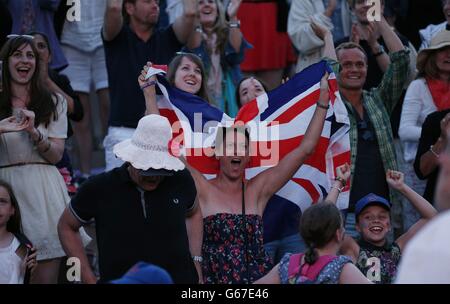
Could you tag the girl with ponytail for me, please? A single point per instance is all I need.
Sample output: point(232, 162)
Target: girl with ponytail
point(321, 227)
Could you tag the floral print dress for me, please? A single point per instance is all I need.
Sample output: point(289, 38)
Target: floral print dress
point(225, 244)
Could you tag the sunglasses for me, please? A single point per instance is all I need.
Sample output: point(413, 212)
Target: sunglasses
point(14, 36)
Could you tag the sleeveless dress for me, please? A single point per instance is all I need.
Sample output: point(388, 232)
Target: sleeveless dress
point(388, 258)
point(225, 243)
point(12, 269)
point(329, 275)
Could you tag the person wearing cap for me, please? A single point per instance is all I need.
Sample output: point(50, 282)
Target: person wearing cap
point(145, 210)
point(374, 255)
point(426, 258)
point(144, 273)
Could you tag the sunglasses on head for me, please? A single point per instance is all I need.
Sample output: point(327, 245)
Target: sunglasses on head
point(13, 36)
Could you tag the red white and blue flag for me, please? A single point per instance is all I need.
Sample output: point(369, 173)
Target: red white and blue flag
point(278, 121)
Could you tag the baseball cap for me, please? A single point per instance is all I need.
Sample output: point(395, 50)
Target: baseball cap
point(371, 199)
point(144, 273)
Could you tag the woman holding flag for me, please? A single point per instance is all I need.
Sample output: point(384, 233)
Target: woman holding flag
point(232, 206)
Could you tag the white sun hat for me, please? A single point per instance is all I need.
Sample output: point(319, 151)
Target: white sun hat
point(148, 149)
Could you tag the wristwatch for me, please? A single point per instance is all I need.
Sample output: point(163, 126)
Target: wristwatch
point(235, 24)
point(197, 258)
point(380, 51)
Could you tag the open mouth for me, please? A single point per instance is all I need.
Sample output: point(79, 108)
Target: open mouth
point(190, 82)
point(236, 161)
point(23, 72)
point(376, 229)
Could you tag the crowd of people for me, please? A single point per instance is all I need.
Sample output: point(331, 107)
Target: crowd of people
point(153, 211)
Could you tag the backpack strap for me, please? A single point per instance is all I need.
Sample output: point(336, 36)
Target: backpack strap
point(312, 271)
point(294, 264)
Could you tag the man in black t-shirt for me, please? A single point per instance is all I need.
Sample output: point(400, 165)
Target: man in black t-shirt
point(146, 210)
point(130, 43)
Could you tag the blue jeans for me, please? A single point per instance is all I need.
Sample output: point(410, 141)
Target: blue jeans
point(289, 244)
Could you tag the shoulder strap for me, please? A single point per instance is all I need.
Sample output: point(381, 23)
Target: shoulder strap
point(294, 264)
point(313, 271)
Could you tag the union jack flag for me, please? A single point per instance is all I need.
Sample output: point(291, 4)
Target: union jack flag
point(284, 114)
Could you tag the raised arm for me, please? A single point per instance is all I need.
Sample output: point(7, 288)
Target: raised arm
point(184, 25)
point(393, 42)
point(149, 91)
point(325, 34)
point(235, 36)
point(194, 226)
point(299, 27)
point(113, 21)
point(342, 177)
point(271, 180)
point(395, 180)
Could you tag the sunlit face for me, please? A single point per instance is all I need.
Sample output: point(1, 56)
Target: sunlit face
point(147, 183)
point(233, 155)
point(249, 90)
point(6, 208)
point(144, 11)
point(42, 48)
point(354, 69)
point(374, 224)
point(443, 60)
point(188, 76)
point(208, 12)
point(22, 64)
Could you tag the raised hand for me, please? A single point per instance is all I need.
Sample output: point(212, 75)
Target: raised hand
point(320, 30)
point(395, 179)
point(343, 171)
point(141, 79)
point(233, 8)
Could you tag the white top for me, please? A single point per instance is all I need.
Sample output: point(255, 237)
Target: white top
point(302, 36)
point(427, 33)
point(426, 258)
point(416, 107)
point(84, 35)
point(12, 268)
point(174, 9)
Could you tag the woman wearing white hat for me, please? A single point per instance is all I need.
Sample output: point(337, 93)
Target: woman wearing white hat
point(430, 92)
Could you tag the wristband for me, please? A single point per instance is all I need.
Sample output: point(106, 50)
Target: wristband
point(148, 84)
point(197, 258)
point(320, 105)
point(340, 179)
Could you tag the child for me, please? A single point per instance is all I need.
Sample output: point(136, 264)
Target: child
point(321, 227)
point(373, 254)
point(17, 255)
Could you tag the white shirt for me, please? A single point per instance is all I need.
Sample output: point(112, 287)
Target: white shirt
point(84, 35)
point(416, 107)
point(426, 258)
point(12, 268)
point(429, 32)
